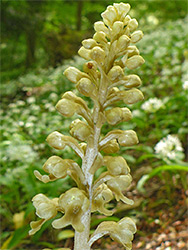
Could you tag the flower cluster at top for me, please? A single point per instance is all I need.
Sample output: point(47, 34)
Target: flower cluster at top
point(169, 147)
point(109, 51)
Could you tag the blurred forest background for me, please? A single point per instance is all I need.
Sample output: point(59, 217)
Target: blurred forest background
point(39, 39)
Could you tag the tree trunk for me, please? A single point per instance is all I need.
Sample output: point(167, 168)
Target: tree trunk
point(30, 50)
point(79, 15)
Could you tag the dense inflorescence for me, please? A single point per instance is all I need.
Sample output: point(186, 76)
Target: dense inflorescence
point(108, 53)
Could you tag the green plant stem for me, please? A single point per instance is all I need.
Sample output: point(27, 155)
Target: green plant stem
point(169, 187)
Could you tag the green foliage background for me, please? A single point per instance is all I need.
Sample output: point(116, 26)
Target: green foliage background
point(39, 39)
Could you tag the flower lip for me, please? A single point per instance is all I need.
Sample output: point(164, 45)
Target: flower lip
point(45, 209)
point(73, 202)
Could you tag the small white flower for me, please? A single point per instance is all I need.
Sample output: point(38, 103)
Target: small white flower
point(35, 108)
point(36, 147)
point(12, 105)
point(169, 147)
point(32, 118)
point(137, 113)
point(49, 106)
point(25, 112)
point(185, 85)
point(53, 96)
point(29, 124)
point(20, 103)
point(15, 110)
point(21, 123)
point(152, 105)
point(42, 146)
point(153, 20)
point(31, 99)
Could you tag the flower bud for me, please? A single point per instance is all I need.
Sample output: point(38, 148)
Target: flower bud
point(123, 60)
point(66, 107)
point(132, 96)
point(73, 104)
point(132, 25)
point(132, 51)
point(69, 95)
point(132, 81)
point(100, 37)
point(116, 73)
point(116, 165)
point(110, 147)
point(128, 138)
point(90, 66)
point(122, 9)
point(80, 130)
point(113, 91)
point(91, 69)
point(73, 74)
point(116, 115)
point(100, 26)
point(56, 166)
point(126, 114)
point(98, 55)
point(113, 116)
point(109, 16)
point(85, 87)
point(126, 20)
point(84, 53)
point(136, 36)
point(56, 140)
point(134, 62)
point(117, 28)
point(123, 42)
point(89, 43)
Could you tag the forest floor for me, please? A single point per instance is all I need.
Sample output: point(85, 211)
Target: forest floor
point(168, 232)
